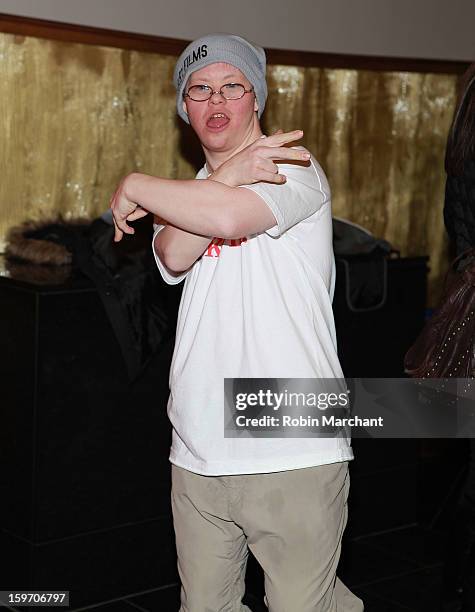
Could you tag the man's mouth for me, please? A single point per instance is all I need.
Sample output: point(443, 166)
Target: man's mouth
point(217, 121)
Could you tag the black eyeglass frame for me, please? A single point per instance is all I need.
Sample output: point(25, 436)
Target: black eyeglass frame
point(212, 92)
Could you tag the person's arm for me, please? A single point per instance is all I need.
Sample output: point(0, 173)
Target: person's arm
point(207, 208)
point(179, 249)
point(202, 207)
point(253, 164)
point(199, 210)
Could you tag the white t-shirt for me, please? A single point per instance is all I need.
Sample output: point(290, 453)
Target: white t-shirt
point(258, 307)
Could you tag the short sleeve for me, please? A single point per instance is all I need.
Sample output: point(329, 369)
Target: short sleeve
point(304, 193)
point(168, 277)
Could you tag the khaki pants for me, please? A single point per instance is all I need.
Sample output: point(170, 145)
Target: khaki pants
point(292, 521)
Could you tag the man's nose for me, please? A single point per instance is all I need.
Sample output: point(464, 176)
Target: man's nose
point(217, 97)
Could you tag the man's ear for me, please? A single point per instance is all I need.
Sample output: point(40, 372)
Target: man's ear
point(256, 106)
point(184, 107)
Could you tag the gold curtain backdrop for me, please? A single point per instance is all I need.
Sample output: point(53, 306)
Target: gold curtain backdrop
point(76, 118)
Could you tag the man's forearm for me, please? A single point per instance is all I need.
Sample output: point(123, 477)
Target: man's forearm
point(202, 208)
point(206, 208)
point(178, 249)
point(198, 206)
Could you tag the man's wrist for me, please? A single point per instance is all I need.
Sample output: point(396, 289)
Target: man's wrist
point(129, 185)
point(219, 176)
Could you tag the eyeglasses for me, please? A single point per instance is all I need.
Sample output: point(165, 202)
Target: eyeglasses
point(230, 91)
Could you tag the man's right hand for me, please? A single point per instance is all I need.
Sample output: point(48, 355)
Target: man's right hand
point(256, 162)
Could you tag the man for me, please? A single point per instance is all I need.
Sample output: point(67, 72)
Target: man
point(254, 245)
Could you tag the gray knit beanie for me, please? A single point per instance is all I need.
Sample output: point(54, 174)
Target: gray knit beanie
point(213, 48)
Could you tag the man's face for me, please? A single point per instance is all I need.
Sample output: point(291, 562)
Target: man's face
point(220, 124)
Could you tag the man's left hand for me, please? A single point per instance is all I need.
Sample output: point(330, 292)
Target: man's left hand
point(257, 162)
